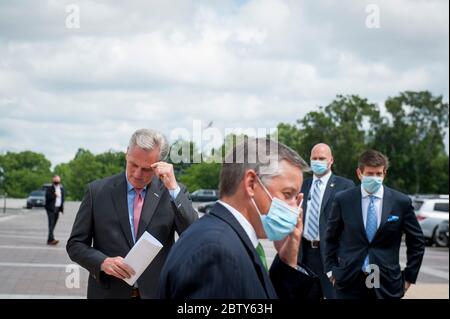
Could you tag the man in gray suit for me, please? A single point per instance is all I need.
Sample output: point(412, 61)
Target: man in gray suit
point(117, 210)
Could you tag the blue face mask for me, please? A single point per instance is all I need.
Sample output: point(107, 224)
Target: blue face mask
point(319, 167)
point(372, 183)
point(281, 219)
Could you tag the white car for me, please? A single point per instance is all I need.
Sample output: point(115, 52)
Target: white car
point(430, 212)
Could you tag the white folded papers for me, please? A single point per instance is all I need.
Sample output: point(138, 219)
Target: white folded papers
point(141, 255)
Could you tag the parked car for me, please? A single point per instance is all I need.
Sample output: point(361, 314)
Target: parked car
point(36, 199)
point(206, 208)
point(442, 233)
point(431, 211)
point(46, 186)
point(205, 195)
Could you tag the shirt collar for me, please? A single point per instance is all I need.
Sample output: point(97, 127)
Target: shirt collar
point(248, 228)
point(378, 194)
point(324, 179)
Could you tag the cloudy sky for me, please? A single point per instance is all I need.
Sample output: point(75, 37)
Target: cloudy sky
point(163, 64)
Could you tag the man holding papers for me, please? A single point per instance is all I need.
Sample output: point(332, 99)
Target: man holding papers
point(220, 256)
point(118, 210)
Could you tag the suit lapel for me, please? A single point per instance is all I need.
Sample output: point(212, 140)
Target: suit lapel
point(359, 212)
point(152, 198)
point(328, 191)
point(119, 198)
point(221, 212)
point(306, 191)
point(387, 208)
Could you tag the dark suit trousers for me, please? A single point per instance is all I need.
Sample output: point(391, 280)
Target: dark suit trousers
point(357, 290)
point(52, 215)
point(311, 257)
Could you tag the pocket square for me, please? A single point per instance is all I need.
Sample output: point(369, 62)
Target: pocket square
point(393, 218)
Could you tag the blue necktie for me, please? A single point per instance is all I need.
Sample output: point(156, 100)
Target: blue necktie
point(371, 227)
point(313, 212)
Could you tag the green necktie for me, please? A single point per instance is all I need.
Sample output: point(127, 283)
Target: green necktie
point(262, 255)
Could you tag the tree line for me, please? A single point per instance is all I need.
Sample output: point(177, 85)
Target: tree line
point(410, 131)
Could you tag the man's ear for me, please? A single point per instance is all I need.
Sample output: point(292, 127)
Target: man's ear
point(359, 173)
point(250, 180)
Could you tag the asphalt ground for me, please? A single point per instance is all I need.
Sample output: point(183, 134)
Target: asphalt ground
point(29, 268)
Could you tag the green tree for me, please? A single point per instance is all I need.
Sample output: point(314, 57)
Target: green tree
point(87, 167)
point(2, 180)
point(205, 174)
point(345, 124)
point(412, 136)
point(84, 168)
point(24, 172)
point(202, 175)
point(111, 162)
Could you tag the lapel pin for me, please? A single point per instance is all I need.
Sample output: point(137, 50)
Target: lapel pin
point(332, 185)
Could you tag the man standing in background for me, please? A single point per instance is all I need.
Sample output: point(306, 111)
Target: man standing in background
point(364, 234)
point(54, 204)
point(319, 192)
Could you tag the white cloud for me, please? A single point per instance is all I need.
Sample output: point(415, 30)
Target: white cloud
point(236, 63)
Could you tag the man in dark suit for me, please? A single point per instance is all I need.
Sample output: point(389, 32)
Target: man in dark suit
point(54, 204)
point(220, 256)
point(319, 192)
point(364, 235)
point(117, 210)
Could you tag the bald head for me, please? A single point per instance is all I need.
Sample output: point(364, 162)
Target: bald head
point(322, 152)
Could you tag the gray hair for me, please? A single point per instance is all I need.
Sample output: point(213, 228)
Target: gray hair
point(251, 153)
point(149, 140)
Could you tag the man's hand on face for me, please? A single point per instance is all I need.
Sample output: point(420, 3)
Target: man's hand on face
point(165, 172)
point(117, 268)
point(288, 247)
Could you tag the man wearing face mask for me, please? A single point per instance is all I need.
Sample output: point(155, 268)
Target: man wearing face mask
point(221, 257)
point(319, 194)
point(364, 235)
point(54, 204)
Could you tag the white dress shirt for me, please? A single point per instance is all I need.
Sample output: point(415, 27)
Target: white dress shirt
point(323, 186)
point(248, 228)
point(378, 202)
point(58, 193)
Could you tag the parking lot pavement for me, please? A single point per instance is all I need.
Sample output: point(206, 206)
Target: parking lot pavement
point(31, 269)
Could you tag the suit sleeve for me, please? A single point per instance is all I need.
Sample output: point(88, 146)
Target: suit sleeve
point(185, 213)
point(63, 195)
point(49, 196)
point(350, 184)
point(79, 244)
point(332, 236)
point(209, 273)
point(290, 283)
point(415, 244)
